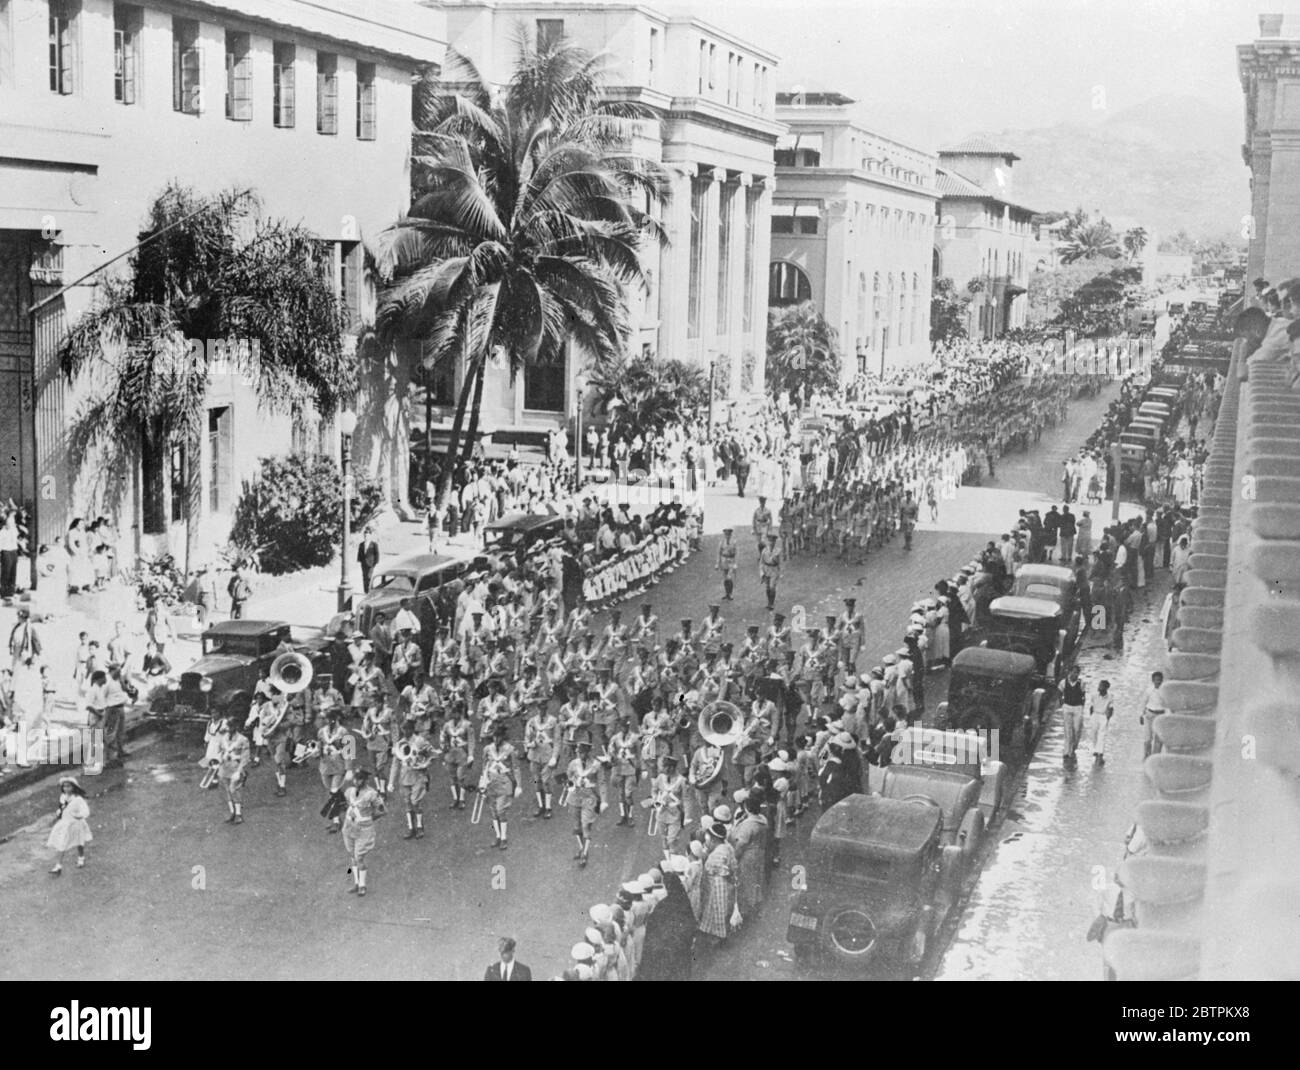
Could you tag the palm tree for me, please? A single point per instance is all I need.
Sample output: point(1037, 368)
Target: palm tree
point(208, 268)
point(527, 225)
point(1135, 240)
point(802, 351)
point(1090, 241)
point(645, 394)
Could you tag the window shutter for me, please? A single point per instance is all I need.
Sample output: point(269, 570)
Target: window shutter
point(191, 82)
point(65, 56)
point(242, 96)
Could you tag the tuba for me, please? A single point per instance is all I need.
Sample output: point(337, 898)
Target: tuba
point(269, 722)
point(721, 723)
point(291, 672)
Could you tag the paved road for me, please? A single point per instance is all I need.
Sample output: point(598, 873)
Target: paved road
point(173, 892)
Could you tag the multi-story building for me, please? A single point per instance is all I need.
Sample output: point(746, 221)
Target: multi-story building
point(306, 102)
point(984, 240)
point(853, 225)
point(1270, 78)
point(714, 98)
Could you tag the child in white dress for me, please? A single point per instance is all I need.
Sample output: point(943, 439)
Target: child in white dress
point(71, 829)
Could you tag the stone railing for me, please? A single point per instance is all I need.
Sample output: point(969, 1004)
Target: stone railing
point(1216, 893)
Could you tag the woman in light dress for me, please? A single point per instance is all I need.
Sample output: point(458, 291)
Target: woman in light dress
point(71, 828)
point(51, 596)
point(1183, 482)
point(81, 576)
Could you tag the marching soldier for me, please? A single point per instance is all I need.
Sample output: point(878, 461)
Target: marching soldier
point(705, 783)
point(335, 748)
point(777, 643)
point(233, 770)
point(850, 629)
point(411, 771)
point(667, 797)
point(407, 659)
point(376, 730)
point(541, 746)
point(908, 512)
point(457, 745)
point(711, 629)
point(493, 709)
point(607, 703)
point(614, 639)
point(762, 524)
point(645, 632)
point(584, 778)
point(500, 781)
point(770, 570)
point(758, 732)
point(575, 716)
point(727, 554)
point(418, 702)
point(624, 750)
point(364, 805)
point(281, 738)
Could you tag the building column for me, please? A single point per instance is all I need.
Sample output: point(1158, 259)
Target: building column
point(675, 267)
point(709, 238)
point(735, 341)
point(762, 186)
point(834, 303)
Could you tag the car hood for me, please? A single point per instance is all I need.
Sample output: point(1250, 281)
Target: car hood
point(215, 664)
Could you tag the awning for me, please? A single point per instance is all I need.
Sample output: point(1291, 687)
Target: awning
point(806, 209)
point(792, 141)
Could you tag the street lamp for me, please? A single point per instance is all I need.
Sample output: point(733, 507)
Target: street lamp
point(347, 425)
point(580, 384)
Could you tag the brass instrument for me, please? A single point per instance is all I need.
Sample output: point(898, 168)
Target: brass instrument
point(710, 772)
point(270, 722)
point(480, 798)
point(291, 672)
point(371, 726)
point(721, 723)
point(421, 757)
point(656, 805)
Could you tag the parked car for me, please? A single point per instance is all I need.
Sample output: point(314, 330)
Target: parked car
point(234, 654)
point(955, 791)
point(1052, 582)
point(518, 533)
point(418, 576)
point(1037, 627)
point(880, 882)
point(994, 689)
point(972, 753)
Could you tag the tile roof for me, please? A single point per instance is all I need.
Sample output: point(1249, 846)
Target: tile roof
point(979, 146)
point(951, 184)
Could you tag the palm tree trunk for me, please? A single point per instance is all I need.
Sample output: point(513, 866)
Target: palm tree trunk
point(428, 430)
point(193, 501)
point(468, 448)
point(453, 446)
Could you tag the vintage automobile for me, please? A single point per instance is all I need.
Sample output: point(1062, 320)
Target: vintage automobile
point(518, 533)
point(955, 791)
point(972, 753)
point(994, 690)
point(1052, 582)
point(418, 576)
point(1036, 627)
point(880, 882)
point(234, 653)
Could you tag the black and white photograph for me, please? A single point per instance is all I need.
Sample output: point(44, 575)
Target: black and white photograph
point(755, 490)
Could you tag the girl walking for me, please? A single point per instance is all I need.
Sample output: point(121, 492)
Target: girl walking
point(71, 828)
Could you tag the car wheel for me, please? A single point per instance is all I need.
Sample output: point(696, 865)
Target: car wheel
point(849, 935)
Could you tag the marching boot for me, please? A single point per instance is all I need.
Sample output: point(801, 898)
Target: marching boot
point(410, 825)
point(239, 813)
point(279, 783)
point(582, 848)
point(502, 844)
point(728, 586)
point(546, 811)
point(582, 858)
point(231, 819)
point(622, 813)
point(541, 805)
point(361, 882)
point(496, 833)
point(356, 883)
point(81, 858)
point(455, 797)
point(419, 825)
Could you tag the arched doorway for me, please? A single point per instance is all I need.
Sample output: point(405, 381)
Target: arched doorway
point(787, 285)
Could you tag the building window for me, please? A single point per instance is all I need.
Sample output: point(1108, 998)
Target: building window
point(757, 88)
point(732, 60)
point(239, 77)
point(787, 285)
point(916, 305)
point(544, 387)
point(726, 199)
point(349, 281)
point(126, 52)
point(62, 46)
point(704, 66)
point(220, 456)
point(282, 84)
point(187, 69)
point(654, 55)
point(862, 307)
point(713, 67)
point(699, 188)
point(365, 102)
point(327, 93)
point(875, 312)
point(549, 32)
point(751, 217)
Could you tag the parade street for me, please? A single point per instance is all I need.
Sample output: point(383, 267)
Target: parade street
point(173, 892)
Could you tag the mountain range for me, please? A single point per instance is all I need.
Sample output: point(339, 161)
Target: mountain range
point(1169, 163)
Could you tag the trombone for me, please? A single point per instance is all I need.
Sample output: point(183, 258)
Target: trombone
point(480, 799)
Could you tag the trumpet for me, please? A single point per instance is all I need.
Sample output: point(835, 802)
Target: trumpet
point(480, 799)
point(565, 792)
point(656, 805)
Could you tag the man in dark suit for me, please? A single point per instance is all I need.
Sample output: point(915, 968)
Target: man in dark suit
point(368, 557)
point(507, 969)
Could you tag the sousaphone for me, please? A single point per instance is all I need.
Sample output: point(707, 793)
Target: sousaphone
point(291, 672)
point(721, 724)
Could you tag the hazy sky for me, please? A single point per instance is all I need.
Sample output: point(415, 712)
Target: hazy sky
point(933, 70)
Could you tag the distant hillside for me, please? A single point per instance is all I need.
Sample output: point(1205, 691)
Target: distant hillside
point(1169, 162)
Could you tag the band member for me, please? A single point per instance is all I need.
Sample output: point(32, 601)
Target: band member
point(624, 750)
point(758, 733)
point(614, 639)
point(335, 748)
point(446, 652)
point(541, 745)
point(526, 695)
point(584, 797)
point(419, 703)
point(762, 524)
point(500, 781)
point(376, 730)
point(777, 640)
point(668, 798)
point(770, 570)
point(850, 631)
point(575, 716)
point(711, 628)
point(457, 745)
point(233, 771)
point(410, 771)
point(645, 632)
point(606, 704)
point(280, 735)
point(660, 726)
point(367, 688)
point(407, 658)
point(705, 783)
point(727, 554)
point(493, 709)
point(364, 805)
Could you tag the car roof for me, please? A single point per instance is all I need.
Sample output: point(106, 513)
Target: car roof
point(1020, 606)
point(416, 564)
point(524, 521)
point(245, 627)
point(887, 826)
point(1056, 573)
point(981, 661)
